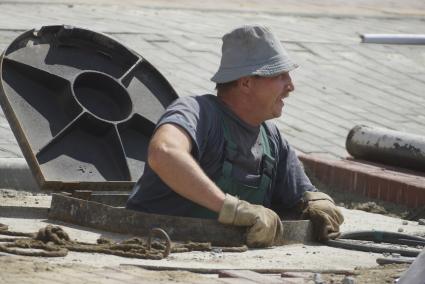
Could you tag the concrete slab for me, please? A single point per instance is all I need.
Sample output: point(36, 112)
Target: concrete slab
point(15, 173)
point(308, 256)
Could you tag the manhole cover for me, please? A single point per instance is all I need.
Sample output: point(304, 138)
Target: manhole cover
point(82, 107)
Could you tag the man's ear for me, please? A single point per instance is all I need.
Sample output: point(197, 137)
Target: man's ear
point(245, 84)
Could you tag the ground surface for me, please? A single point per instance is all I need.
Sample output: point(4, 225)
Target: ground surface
point(341, 82)
point(25, 270)
point(351, 200)
point(308, 257)
point(298, 256)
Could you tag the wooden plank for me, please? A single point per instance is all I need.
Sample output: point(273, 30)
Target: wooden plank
point(392, 260)
point(297, 280)
point(305, 275)
point(252, 276)
point(258, 270)
point(298, 277)
point(236, 281)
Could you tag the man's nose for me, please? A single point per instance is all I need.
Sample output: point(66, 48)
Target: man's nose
point(290, 87)
point(287, 81)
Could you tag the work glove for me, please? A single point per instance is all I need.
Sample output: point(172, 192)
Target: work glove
point(324, 214)
point(265, 227)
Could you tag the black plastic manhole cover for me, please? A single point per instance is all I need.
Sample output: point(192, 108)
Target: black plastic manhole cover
point(82, 107)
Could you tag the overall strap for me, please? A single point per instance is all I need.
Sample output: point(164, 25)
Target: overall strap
point(268, 163)
point(230, 148)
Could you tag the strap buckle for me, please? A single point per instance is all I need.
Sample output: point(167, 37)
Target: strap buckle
point(268, 165)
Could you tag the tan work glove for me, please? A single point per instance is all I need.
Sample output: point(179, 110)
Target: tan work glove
point(324, 214)
point(265, 227)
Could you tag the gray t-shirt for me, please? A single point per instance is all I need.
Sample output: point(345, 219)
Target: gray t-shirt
point(201, 117)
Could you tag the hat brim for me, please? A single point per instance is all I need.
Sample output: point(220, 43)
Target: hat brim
point(272, 68)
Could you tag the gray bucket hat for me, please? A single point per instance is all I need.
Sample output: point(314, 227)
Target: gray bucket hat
point(251, 50)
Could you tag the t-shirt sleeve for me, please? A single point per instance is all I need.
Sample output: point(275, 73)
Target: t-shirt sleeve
point(291, 180)
point(188, 113)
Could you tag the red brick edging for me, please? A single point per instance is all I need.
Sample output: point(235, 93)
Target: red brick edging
point(374, 181)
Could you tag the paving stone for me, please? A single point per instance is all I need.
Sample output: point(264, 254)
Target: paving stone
point(330, 118)
point(336, 150)
point(135, 42)
point(323, 51)
point(304, 146)
point(319, 124)
point(379, 120)
point(341, 82)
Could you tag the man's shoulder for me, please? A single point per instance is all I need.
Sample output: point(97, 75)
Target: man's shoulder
point(274, 132)
point(202, 100)
point(199, 106)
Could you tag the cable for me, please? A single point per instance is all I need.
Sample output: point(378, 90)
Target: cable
point(371, 248)
point(345, 242)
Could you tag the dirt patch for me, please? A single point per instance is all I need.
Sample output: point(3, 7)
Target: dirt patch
point(378, 275)
point(351, 200)
point(382, 274)
point(34, 270)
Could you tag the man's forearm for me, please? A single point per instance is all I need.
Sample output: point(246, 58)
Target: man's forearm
point(179, 170)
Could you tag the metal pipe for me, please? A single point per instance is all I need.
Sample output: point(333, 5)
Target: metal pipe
point(393, 38)
point(387, 146)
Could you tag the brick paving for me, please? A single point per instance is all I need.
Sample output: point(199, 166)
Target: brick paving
point(375, 181)
point(341, 82)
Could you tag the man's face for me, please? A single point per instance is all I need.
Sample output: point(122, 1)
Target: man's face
point(268, 94)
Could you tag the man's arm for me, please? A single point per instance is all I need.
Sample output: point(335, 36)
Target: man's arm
point(169, 156)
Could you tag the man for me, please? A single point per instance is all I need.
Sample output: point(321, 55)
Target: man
point(217, 157)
